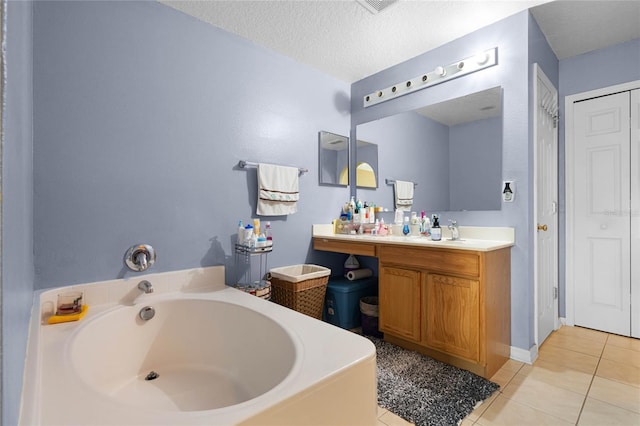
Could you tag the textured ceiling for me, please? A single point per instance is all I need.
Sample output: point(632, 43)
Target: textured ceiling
point(342, 38)
point(345, 40)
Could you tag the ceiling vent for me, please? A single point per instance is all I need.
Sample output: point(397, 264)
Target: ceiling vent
point(376, 6)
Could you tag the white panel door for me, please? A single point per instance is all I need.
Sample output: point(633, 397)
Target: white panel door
point(635, 213)
point(546, 206)
point(602, 220)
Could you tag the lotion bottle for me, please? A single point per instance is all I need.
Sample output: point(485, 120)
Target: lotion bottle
point(240, 233)
point(436, 231)
point(268, 234)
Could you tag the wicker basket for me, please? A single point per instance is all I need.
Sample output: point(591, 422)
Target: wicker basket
point(301, 288)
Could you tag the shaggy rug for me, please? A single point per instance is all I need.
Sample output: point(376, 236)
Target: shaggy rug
point(425, 391)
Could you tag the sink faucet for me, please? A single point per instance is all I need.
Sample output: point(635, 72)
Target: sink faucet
point(455, 234)
point(145, 286)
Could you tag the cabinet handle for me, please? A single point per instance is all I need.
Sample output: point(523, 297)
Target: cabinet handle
point(542, 227)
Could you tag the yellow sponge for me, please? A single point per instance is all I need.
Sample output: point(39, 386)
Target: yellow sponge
point(55, 319)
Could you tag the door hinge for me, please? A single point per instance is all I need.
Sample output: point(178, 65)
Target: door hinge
point(555, 293)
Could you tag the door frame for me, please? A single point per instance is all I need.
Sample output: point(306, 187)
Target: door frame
point(538, 73)
point(569, 149)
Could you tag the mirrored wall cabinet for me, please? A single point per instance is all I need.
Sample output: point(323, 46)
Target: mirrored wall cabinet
point(333, 158)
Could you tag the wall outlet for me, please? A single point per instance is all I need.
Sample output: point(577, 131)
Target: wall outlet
point(508, 191)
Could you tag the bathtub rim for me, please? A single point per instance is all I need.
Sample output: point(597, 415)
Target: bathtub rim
point(362, 353)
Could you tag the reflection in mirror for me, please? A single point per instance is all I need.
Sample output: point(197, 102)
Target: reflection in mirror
point(367, 164)
point(452, 150)
point(333, 159)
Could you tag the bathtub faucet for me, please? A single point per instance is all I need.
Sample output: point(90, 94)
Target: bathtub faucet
point(145, 286)
point(140, 257)
point(141, 260)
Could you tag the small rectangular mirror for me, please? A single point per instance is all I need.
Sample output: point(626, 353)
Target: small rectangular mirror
point(333, 158)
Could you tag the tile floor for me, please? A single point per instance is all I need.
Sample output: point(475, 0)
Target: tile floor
point(581, 377)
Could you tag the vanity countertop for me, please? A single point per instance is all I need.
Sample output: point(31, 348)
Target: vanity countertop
point(473, 238)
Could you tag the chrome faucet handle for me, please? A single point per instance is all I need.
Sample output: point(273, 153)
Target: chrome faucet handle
point(140, 257)
point(455, 234)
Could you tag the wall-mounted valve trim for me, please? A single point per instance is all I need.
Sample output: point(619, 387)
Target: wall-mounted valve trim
point(140, 257)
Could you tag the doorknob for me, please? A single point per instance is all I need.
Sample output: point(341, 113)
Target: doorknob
point(542, 227)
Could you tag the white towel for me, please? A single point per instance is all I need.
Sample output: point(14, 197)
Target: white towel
point(277, 190)
point(404, 195)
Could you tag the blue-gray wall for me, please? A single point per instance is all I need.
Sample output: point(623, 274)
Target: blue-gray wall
point(141, 115)
point(594, 70)
point(17, 205)
point(511, 37)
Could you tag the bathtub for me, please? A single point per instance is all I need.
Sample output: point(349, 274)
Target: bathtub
point(210, 355)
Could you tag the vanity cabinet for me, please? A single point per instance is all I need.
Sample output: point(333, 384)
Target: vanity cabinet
point(451, 315)
point(451, 304)
point(398, 287)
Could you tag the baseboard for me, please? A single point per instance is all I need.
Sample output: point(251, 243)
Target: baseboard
point(523, 355)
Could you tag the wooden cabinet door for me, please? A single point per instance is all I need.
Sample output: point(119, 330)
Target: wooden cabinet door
point(399, 298)
point(451, 313)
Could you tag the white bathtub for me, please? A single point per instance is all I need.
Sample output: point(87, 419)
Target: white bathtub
point(221, 356)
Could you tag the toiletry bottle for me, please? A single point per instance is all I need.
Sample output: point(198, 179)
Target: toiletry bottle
point(268, 234)
point(426, 227)
point(436, 231)
point(240, 233)
point(352, 205)
point(507, 194)
point(248, 231)
point(256, 226)
point(372, 214)
point(398, 217)
point(405, 228)
point(382, 230)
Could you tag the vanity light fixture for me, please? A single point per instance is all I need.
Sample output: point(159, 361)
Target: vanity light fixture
point(482, 60)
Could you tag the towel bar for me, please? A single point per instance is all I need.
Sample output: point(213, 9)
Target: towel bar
point(392, 181)
point(246, 164)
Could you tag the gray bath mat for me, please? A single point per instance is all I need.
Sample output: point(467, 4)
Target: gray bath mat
point(425, 391)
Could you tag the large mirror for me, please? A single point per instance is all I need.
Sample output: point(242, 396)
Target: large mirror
point(452, 151)
point(333, 158)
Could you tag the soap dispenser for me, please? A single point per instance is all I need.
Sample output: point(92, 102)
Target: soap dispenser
point(405, 228)
point(436, 231)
